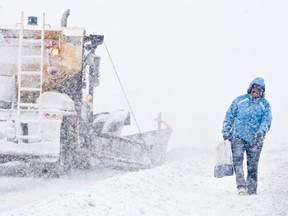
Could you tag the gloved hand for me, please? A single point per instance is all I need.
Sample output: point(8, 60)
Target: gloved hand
point(226, 137)
point(259, 136)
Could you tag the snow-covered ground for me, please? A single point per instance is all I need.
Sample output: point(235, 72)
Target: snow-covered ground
point(184, 185)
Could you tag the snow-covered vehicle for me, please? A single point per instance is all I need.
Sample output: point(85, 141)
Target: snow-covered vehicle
point(47, 77)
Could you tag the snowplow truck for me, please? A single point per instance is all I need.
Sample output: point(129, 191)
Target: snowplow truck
point(47, 77)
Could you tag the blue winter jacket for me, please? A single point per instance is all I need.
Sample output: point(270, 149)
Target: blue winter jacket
point(247, 117)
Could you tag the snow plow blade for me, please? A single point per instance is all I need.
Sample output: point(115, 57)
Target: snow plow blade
point(136, 151)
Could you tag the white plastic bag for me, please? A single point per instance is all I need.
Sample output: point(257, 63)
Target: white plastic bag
point(224, 165)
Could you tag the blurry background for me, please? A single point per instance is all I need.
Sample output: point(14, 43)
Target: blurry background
point(186, 59)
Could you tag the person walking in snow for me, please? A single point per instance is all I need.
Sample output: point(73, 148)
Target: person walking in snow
point(246, 123)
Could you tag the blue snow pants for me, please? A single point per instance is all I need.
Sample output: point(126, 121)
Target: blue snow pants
point(253, 150)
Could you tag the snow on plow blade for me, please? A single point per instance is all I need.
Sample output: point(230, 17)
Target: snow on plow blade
point(133, 151)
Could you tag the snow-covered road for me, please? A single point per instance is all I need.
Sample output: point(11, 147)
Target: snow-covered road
point(183, 186)
point(16, 192)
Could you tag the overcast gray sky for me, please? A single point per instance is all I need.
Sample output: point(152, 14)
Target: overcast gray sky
point(188, 59)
